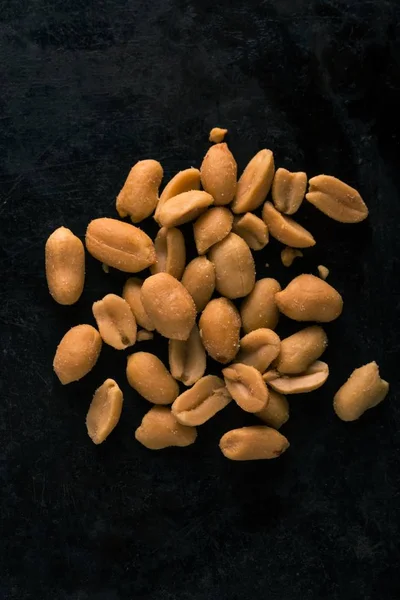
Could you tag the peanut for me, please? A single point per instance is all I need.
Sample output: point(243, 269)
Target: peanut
point(253, 443)
point(323, 272)
point(219, 174)
point(132, 295)
point(219, 327)
point(65, 266)
point(184, 181)
point(259, 348)
point(259, 309)
point(336, 199)
point(202, 401)
point(104, 411)
point(77, 353)
point(235, 272)
point(115, 320)
point(308, 298)
point(212, 227)
point(144, 336)
point(139, 195)
point(199, 280)
point(276, 413)
point(150, 378)
point(300, 350)
point(254, 183)
point(288, 190)
point(310, 380)
point(187, 359)
point(171, 252)
point(183, 208)
point(252, 229)
point(286, 230)
point(246, 386)
point(363, 390)
point(289, 254)
point(160, 429)
point(217, 135)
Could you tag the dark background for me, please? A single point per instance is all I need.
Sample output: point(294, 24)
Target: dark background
point(88, 88)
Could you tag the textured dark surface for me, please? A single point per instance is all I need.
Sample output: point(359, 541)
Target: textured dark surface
point(89, 87)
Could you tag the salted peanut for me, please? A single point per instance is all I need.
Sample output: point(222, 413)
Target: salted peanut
point(363, 390)
point(276, 413)
point(187, 359)
point(219, 326)
point(288, 190)
point(184, 181)
point(286, 230)
point(199, 280)
point(104, 411)
point(77, 353)
point(289, 254)
point(309, 298)
point(139, 196)
point(144, 336)
point(310, 380)
point(150, 378)
point(183, 208)
point(270, 375)
point(323, 272)
point(259, 309)
point(300, 350)
point(217, 135)
point(116, 322)
point(235, 273)
point(170, 251)
point(246, 386)
point(65, 266)
point(212, 227)
point(219, 174)
point(254, 183)
point(336, 199)
point(202, 401)
point(132, 295)
point(259, 348)
point(120, 245)
point(169, 305)
point(160, 429)
point(252, 229)
point(253, 443)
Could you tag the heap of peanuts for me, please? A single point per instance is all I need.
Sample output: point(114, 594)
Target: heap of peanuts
point(260, 368)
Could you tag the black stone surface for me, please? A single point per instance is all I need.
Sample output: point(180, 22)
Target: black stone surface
point(88, 88)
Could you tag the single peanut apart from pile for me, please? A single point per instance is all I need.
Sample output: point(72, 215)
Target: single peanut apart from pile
point(363, 390)
point(184, 181)
point(252, 229)
point(160, 429)
point(309, 298)
point(212, 227)
point(217, 135)
point(139, 195)
point(235, 273)
point(202, 401)
point(77, 353)
point(65, 266)
point(150, 378)
point(199, 280)
point(116, 322)
point(170, 251)
point(253, 443)
point(104, 411)
point(259, 310)
point(219, 174)
point(246, 386)
point(219, 326)
point(336, 199)
point(187, 359)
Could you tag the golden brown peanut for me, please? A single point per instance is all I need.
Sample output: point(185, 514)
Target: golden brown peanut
point(235, 273)
point(219, 327)
point(270, 375)
point(288, 190)
point(259, 309)
point(286, 230)
point(171, 252)
point(139, 195)
point(363, 390)
point(104, 411)
point(187, 360)
point(276, 413)
point(309, 298)
point(217, 135)
point(169, 305)
point(254, 183)
point(252, 229)
point(77, 353)
point(259, 348)
point(202, 401)
point(300, 350)
point(212, 227)
point(116, 322)
point(219, 174)
point(132, 295)
point(144, 336)
point(336, 199)
point(160, 429)
point(199, 280)
point(183, 208)
point(253, 443)
point(150, 378)
point(184, 181)
point(120, 245)
point(289, 254)
point(65, 266)
point(323, 272)
point(310, 380)
point(246, 386)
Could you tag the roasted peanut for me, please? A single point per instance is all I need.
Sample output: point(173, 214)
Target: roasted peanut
point(246, 386)
point(183, 208)
point(116, 322)
point(150, 378)
point(199, 280)
point(309, 298)
point(289, 254)
point(144, 336)
point(77, 353)
point(184, 181)
point(169, 305)
point(139, 196)
point(336, 199)
point(259, 348)
point(363, 390)
point(212, 227)
point(65, 266)
point(104, 411)
point(202, 401)
point(235, 273)
point(259, 309)
point(219, 174)
point(187, 359)
point(120, 245)
point(252, 229)
point(132, 295)
point(217, 135)
point(300, 350)
point(285, 229)
point(276, 413)
point(288, 190)
point(323, 272)
point(160, 429)
point(310, 380)
point(253, 443)
point(171, 252)
point(219, 327)
point(254, 183)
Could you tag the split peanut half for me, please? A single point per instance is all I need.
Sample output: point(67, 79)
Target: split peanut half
point(170, 251)
point(285, 229)
point(115, 320)
point(235, 273)
point(312, 379)
point(184, 181)
point(104, 411)
point(276, 413)
point(309, 298)
point(202, 401)
point(253, 443)
point(288, 190)
point(254, 183)
point(183, 208)
point(252, 229)
point(132, 295)
point(187, 359)
point(336, 199)
point(160, 429)
point(212, 227)
point(363, 390)
point(246, 386)
point(259, 348)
